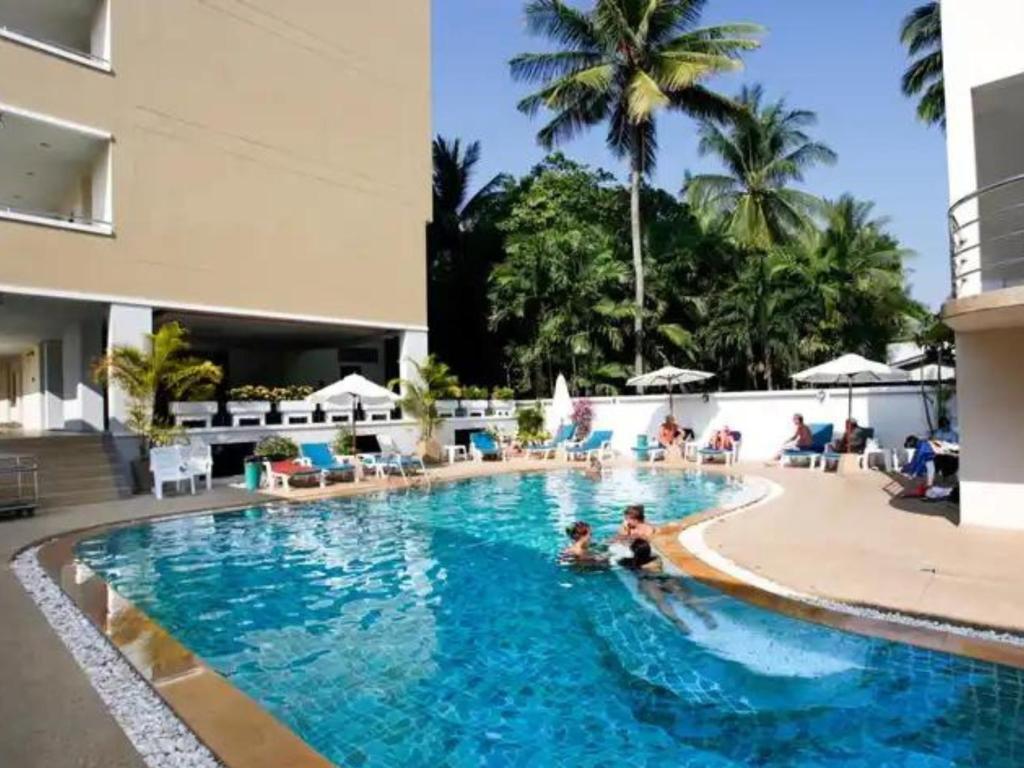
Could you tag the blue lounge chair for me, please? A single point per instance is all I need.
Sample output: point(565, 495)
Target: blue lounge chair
point(322, 458)
point(730, 456)
point(645, 451)
point(597, 444)
point(482, 445)
point(821, 436)
point(548, 449)
point(830, 457)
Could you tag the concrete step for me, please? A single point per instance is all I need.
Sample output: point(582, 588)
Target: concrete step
point(93, 483)
point(72, 498)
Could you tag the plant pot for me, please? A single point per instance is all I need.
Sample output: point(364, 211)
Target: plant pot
point(429, 450)
point(503, 407)
point(248, 410)
point(293, 410)
point(476, 407)
point(199, 411)
point(142, 478)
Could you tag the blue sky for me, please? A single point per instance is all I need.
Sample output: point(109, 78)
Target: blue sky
point(840, 59)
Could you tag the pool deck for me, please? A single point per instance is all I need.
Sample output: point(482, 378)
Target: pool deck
point(841, 537)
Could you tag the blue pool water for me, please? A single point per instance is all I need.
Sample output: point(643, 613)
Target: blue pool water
point(438, 629)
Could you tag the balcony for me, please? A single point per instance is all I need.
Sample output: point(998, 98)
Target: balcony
point(986, 231)
point(54, 173)
point(76, 30)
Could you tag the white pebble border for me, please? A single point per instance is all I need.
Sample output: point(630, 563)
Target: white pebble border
point(152, 728)
point(693, 539)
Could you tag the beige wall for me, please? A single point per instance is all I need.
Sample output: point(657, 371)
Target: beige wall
point(990, 393)
point(268, 156)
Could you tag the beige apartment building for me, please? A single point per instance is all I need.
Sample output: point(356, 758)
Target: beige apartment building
point(257, 170)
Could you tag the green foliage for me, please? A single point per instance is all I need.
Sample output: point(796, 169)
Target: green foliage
point(433, 381)
point(503, 393)
point(620, 63)
point(472, 392)
point(530, 425)
point(921, 34)
point(763, 148)
point(276, 448)
point(344, 443)
point(258, 392)
point(165, 369)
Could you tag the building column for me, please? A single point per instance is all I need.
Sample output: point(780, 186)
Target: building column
point(127, 326)
point(412, 349)
point(82, 342)
point(51, 384)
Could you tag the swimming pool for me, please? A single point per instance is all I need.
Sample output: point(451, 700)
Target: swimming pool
point(436, 628)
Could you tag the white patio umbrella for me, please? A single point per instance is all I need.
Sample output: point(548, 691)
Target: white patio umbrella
point(669, 377)
point(850, 370)
point(351, 389)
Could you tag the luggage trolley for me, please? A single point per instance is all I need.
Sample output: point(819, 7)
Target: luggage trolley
point(19, 484)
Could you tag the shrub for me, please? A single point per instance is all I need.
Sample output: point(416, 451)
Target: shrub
point(582, 417)
point(530, 423)
point(249, 393)
point(474, 393)
point(276, 448)
point(344, 443)
point(503, 393)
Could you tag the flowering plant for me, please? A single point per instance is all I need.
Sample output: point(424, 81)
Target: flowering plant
point(582, 417)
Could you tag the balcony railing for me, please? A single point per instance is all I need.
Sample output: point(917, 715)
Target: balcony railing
point(53, 47)
point(986, 235)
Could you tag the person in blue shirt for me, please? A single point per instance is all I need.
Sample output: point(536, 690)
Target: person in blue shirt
point(945, 432)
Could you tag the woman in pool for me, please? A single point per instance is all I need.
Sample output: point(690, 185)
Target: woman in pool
point(580, 551)
point(658, 587)
point(634, 525)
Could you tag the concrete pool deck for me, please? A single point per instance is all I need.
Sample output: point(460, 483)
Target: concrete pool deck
point(842, 537)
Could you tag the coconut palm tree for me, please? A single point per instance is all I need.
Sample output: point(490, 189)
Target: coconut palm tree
point(622, 62)
point(164, 369)
point(764, 148)
point(921, 33)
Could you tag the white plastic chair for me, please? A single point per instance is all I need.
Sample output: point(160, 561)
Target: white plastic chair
point(873, 448)
point(200, 460)
point(170, 464)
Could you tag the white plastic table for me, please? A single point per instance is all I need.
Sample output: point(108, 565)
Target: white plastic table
point(455, 452)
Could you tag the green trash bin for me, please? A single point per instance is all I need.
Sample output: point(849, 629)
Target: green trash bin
point(253, 470)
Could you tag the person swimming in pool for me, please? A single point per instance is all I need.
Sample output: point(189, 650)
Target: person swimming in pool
point(659, 587)
point(580, 552)
point(634, 524)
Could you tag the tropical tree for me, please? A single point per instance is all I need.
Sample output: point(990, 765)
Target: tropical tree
point(921, 33)
point(463, 243)
point(165, 369)
point(621, 63)
point(433, 381)
point(764, 149)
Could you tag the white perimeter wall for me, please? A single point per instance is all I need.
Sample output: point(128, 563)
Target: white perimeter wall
point(764, 418)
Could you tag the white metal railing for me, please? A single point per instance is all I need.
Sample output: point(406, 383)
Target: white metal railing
point(986, 238)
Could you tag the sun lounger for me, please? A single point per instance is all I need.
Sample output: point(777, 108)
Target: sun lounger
point(483, 446)
point(322, 457)
point(549, 449)
point(645, 450)
point(597, 444)
point(821, 436)
point(391, 460)
point(727, 455)
point(283, 472)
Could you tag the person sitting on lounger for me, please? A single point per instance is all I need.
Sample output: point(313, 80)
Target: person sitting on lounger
point(945, 433)
point(634, 524)
point(721, 440)
point(801, 440)
point(668, 432)
point(854, 439)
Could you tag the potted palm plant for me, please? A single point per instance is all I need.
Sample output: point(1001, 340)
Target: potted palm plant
point(433, 382)
point(165, 369)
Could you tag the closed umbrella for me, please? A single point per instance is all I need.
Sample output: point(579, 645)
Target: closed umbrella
point(669, 377)
point(561, 403)
point(850, 370)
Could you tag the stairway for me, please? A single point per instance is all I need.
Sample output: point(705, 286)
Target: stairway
point(73, 469)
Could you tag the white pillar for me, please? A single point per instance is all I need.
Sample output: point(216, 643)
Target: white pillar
point(412, 349)
point(51, 384)
point(127, 326)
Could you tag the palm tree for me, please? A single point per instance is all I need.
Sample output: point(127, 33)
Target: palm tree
point(921, 33)
point(764, 148)
point(165, 369)
point(433, 381)
point(622, 62)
